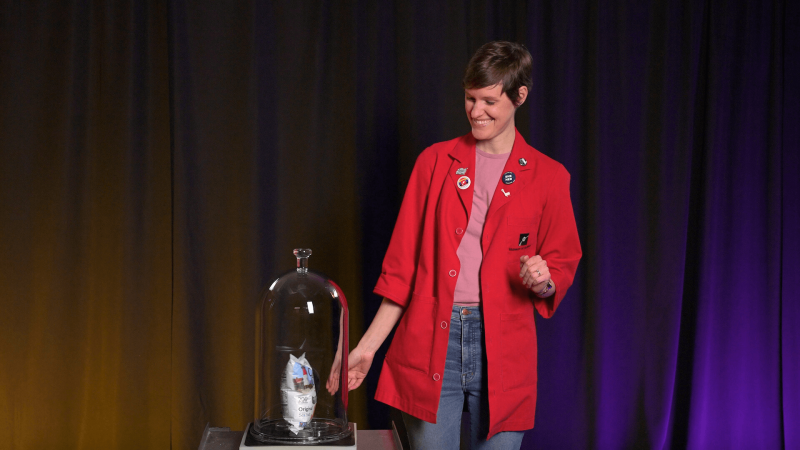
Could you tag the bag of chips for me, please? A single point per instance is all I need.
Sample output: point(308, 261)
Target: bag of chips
point(298, 393)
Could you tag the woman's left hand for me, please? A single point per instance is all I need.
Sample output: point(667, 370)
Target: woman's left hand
point(534, 272)
point(333, 379)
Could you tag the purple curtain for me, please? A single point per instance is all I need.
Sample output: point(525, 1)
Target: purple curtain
point(160, 160)
point(678, 122)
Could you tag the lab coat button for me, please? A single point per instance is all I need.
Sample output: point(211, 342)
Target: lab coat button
point(444, 324)
point(452, 273)
point(459, 231)
point(436, 377)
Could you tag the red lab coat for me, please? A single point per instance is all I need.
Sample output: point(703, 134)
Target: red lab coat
point(420, 269)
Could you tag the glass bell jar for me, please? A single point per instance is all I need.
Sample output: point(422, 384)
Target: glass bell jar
point(301, 359)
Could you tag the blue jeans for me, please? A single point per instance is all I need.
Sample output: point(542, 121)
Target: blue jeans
point(464, 381)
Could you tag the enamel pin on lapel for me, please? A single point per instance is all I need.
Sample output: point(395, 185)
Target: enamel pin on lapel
point(463, 182)
point(461, 171)
point(523, 162)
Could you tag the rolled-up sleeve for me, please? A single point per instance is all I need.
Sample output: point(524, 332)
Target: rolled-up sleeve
point(559, 244)
point(399, 265)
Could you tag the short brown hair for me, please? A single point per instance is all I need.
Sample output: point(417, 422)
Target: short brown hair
point(500, 62)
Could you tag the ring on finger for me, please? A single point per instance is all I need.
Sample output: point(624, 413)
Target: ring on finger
point(538, 272)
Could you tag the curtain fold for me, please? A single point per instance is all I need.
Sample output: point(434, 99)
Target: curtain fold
point(789, 286)
point(161, 159)
point(85, 254)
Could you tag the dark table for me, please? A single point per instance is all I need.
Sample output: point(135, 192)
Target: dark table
point(222, 438)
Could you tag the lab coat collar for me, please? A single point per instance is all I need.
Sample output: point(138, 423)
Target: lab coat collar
point(463, 155)
point(504, 193)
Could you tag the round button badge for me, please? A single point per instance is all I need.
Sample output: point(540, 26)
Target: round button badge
point(463, 182)
point(509, 177)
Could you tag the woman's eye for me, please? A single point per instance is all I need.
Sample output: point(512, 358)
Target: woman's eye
point(490, 103)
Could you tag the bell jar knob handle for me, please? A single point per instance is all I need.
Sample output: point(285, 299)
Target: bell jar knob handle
point(302, 255)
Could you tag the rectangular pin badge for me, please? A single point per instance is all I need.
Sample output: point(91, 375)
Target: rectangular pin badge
point(461, 171)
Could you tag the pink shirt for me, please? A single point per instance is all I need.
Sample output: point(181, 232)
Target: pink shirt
point(488, 170)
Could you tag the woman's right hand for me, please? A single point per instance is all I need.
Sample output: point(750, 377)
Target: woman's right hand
point(360, 359)
point(359, 363)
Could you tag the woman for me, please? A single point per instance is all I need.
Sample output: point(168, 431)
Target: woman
point(485, 234)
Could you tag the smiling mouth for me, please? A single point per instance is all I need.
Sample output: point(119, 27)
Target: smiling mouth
point(482, 122)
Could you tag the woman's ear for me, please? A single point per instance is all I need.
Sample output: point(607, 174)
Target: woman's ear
point(523, 94)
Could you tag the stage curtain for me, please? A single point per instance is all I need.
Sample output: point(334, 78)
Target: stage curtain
point(161, 159)
point(85, 226)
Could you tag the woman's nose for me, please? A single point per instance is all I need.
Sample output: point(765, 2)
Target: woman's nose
point(476, 111)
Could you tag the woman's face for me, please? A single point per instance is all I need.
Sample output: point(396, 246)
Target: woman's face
point(490, 112)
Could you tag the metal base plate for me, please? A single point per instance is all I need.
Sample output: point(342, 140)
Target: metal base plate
point(349, 442)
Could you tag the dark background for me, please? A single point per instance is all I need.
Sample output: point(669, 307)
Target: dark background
point(161, 159)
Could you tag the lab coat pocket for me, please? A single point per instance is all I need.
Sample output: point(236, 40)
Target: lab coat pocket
point(518, 352)
point(413, 340)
